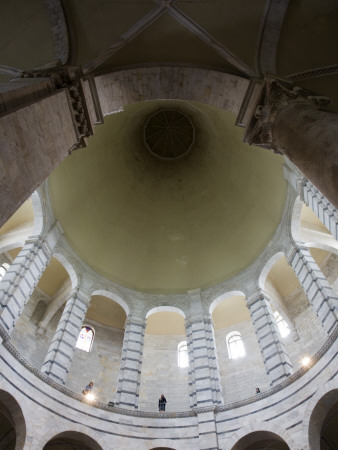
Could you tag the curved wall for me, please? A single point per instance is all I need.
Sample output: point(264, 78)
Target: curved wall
point(285, 412)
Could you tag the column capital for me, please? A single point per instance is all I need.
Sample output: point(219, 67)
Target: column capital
point(254, 297)
point(70, 79)
point(273, 95)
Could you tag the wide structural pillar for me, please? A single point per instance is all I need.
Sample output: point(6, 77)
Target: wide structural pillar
point(128, 385)
point(276, 360)
point(291, 121)
point(61, 350)
point(204, 380)
point(317, 288)
point(20, 280)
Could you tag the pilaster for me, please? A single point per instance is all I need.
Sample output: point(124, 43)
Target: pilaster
point(61, 350)
point(20, 280)
point(128, 386)
point(315, 285)
point(204, 380)
point(276, 360)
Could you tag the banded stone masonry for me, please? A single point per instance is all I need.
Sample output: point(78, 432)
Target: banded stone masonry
point(20, 280)
point(321, 206)
point(204, 380)
point(128, 386)
point(315, 285)
point(276, 360)
point(61, 350)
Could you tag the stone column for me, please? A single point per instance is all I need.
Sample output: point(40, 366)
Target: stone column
point(61, 350)
point(44, 116)
point(128, 385)
point(291, 121)
point(276, 360)
point(320, 205)
point(315, 285)
point(204, 380)
point(20, 280)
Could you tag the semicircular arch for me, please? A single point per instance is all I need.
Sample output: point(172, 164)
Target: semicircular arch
point(13, 408)
point(113, 296)
point(173, 309)
point(223, 297)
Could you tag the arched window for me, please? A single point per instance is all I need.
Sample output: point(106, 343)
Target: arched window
point(282, 325)
point(182, 355)
point(3, 269)
point(235, 345)
point(85, 339)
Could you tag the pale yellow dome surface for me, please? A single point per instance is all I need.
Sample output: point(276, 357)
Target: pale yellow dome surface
point(169, 226)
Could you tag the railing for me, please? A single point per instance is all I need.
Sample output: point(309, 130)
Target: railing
point(150, 409)
point(169, 407)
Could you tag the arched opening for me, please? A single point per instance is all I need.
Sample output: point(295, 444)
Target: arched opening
point(103, 330)
point(12, 423)
point(289, 300)
point(72, 440)
point(259, 440)
point(161, 374)
point(323, 425)
point(237, 349)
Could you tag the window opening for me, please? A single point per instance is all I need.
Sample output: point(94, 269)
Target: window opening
point(85, 339)
point(182, 355)
point(3, 269)
point(235, 345)
point(282, 325)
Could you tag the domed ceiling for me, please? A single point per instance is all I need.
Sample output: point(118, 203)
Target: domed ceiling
point(166, 225)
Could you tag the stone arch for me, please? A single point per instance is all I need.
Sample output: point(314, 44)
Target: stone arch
point(257, 432)
point(267, 267)
point(71, 437)
point(165, 309)
point(14, 419)
point(220, 89)
point(74, 279)
point(113, 296)
point(318, 407)
point(223, 297)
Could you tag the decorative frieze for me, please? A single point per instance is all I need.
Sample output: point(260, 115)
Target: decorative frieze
point(71, 82)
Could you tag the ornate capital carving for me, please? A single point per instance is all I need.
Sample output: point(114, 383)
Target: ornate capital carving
point(71, 81)
point(275, 95)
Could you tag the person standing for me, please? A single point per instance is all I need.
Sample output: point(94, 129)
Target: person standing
point(161, 403)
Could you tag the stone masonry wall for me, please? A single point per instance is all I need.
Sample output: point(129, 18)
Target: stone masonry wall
point(160, 374)
point(100, 365)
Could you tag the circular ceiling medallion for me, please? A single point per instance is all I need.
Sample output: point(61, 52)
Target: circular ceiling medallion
point(169, 134)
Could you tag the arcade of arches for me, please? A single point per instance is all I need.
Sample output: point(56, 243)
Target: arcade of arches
point(168, 225)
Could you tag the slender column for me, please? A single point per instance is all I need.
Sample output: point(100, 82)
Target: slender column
point(204, 380)
point(292, 122)
point(276, 360)
point(61, 350)
point(128, 385)
point(320, 205)
point(19, 282)
point(315, 285)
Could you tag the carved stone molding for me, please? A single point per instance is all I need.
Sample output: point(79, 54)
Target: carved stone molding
point(275, 95)
point(71, 81)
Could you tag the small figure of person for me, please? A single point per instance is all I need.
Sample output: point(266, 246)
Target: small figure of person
point(161, 403)
point(88, 388)
point(258, 391)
